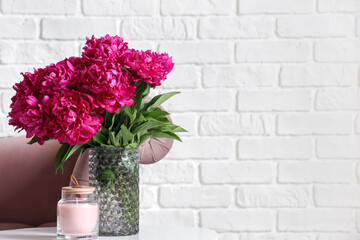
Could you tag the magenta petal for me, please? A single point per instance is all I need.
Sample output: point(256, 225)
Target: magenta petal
point(87, 131)
point(40, 140)
point(31, 100)
point(112, 109)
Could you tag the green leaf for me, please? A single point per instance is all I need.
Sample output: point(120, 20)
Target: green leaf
point(143, 138)
point(146, 91)
point(163, 120)
point(63, 154)
point(100, 138)
point(165, 135)
point(142, 90)
point(126, 135)
point(156, 113)
point(133, 146)
point(46, 138)
point(121, 118)
point(139, 118)
point(34, 139)
point(173, 128)
point(73, 149)
point(130, 114)
point(108, 118)
point(146, 126)
point(107, 175)
point(91, 143)
point(104, 131)
point(158, 100)
point(113, 139)
point(113, 119)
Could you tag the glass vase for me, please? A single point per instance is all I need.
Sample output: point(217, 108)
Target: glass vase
point(114, 172)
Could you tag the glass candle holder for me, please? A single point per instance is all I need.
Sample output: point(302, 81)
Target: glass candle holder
point(77, 214)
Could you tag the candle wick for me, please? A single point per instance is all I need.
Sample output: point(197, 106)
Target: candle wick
point(74, 181)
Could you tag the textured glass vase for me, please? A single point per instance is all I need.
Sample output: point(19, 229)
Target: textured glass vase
point(114, 172)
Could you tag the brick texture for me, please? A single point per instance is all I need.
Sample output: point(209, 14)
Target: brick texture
point(275, 6)
point(240, 220)
point(50, 7)
point(273, 51)
point(76, 28)
point(315, 220)
point(309, 26)
point(318, 75)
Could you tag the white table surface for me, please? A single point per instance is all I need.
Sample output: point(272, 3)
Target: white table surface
point(146, 233)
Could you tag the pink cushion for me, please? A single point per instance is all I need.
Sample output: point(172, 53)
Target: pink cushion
point(29, 188)
point(154, 149)
point(48, 224)
point(9, 226)
point(81, 169)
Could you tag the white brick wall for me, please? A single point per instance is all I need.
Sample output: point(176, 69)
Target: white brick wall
point(270, 96)
point(317, 220)
point(276, 6)
point(239, 76)
point(273, 51)
point(318, 75)
point(198, 196)
point(76, 28)
point(273, 196)
point(237, 220)
point(270, 100)
point(60, 7)
point(337, 51)
point(310, 26)
point(159, 28)
point(246, 27)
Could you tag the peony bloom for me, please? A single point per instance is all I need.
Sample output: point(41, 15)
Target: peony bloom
point(104, 48)
point(30, 85)
point(110, 86)
point(148, 66)
point(28, 114)
point(69, 118)
point(57, 77)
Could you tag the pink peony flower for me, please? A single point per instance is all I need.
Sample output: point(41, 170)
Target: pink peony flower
point(57, 77)
point(104, 48)
point(110, 86)
point(148, 66)
point(28, 114)
point(26, 108)
point(69, 118)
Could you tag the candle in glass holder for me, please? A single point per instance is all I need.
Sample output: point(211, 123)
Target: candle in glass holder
point(77, 213)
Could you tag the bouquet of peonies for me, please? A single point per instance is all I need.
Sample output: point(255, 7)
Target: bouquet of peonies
point(95, 100)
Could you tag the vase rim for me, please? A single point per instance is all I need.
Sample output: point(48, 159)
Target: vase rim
point(120, 149)
point(102, 147)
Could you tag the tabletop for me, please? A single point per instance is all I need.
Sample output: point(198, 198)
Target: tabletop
point(146, 233)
